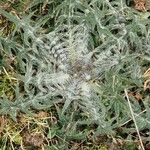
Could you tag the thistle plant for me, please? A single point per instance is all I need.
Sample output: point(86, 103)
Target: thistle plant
point(84, 61)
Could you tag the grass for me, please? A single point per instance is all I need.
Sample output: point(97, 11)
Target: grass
point(74, 75)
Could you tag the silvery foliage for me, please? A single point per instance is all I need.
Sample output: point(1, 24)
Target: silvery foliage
point(66, 68)
point(59, 66)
